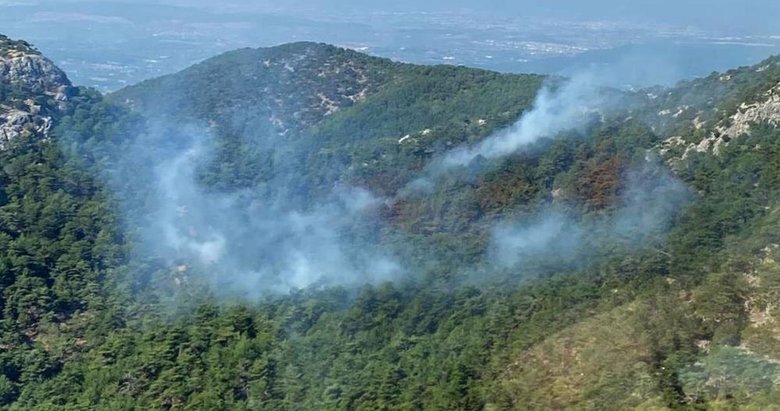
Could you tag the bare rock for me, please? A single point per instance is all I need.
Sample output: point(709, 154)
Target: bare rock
point(35, 91)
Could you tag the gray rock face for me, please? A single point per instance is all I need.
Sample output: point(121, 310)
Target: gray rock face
point(36, 92)
point(33, 74)
point(767, 111)
point(21, 124)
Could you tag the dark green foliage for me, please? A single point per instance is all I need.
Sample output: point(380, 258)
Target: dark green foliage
point(58, 240)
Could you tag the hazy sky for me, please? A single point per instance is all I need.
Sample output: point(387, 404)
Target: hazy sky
point(746, 16)
point(759, 16)
point(112, 43)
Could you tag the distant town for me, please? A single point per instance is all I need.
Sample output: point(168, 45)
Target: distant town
point(100, 49)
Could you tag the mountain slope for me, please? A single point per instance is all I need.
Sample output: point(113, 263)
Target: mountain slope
point(297, 85)
point(286, 88)
point(58, 236)
point(333, 100)
point(683, 318)
point(718, 312)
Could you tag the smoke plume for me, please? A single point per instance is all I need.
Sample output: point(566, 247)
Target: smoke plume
point(557, 108)
point(244, 242)
point(560, 106)
point(647, 207)
point(282, 231)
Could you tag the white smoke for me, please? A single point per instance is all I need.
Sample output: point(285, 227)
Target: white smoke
point(568, 106)
point(244, 243)
point(648, 205)
point(547, 234)
point(271, 238)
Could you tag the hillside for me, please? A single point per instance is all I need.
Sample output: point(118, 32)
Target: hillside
point(250, 233)
point(357, 107)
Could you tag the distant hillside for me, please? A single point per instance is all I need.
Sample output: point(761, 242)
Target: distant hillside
point(296, 86)
point(334, 100)
point(289, 87)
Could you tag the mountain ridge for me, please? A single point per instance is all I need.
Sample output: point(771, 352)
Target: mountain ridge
point(320, 62)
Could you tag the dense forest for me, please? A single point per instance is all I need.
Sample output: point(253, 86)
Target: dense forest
point(679, 317)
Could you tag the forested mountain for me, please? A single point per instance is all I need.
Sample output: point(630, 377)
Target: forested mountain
point(280, 229)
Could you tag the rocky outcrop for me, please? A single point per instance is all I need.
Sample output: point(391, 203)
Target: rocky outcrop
point(33, 91)
point(33, 74)
point(25, 69)
point(766, 111)
point(17, 123)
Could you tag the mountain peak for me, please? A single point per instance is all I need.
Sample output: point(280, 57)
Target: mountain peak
point(24, 68)
point(15, 48)
point(295, 85)
point(33, 90)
